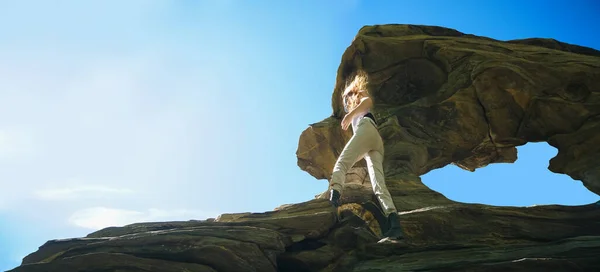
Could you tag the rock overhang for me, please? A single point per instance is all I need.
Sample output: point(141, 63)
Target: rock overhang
point(445, 97)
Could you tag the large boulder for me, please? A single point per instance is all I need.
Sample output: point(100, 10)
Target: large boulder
point(444, 97)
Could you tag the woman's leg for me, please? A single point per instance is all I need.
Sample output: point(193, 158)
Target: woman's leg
point(375, 168)
point(356, 148)
point(374, 160)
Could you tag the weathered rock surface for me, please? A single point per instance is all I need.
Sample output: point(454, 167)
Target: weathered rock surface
point(456, 237)
point(211, 247)
point(441, 97)
point(243, 242)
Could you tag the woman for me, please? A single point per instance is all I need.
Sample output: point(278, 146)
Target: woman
point(365, 143)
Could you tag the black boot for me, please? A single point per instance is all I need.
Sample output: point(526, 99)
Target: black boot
point(394, 231)
point(334, 198)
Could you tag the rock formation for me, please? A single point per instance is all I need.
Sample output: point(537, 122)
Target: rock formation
point(441, 97)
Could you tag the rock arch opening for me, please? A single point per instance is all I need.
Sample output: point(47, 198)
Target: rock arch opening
point(525, 182)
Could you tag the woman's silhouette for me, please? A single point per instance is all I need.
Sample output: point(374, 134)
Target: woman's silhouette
point(365, 143)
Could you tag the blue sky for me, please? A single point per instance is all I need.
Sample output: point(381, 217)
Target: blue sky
point(114, 112)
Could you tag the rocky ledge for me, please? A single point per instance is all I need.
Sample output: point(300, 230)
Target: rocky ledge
point(313, 236)
point(441, 97)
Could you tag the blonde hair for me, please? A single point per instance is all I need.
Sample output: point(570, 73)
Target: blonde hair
point(355, 90)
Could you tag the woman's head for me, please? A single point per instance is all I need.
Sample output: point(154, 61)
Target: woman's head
point(354, 91)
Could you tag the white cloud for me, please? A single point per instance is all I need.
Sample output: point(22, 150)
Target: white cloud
point(100, 217)
point(15, 144)
point(80, 192)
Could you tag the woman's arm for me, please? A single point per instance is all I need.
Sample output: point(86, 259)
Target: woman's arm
point(365, 104)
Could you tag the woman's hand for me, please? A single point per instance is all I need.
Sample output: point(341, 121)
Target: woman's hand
point(346, 121)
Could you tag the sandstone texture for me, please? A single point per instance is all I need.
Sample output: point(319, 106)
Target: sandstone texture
point(441, 97)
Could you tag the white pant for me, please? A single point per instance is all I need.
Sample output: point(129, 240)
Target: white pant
point(365, 143)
